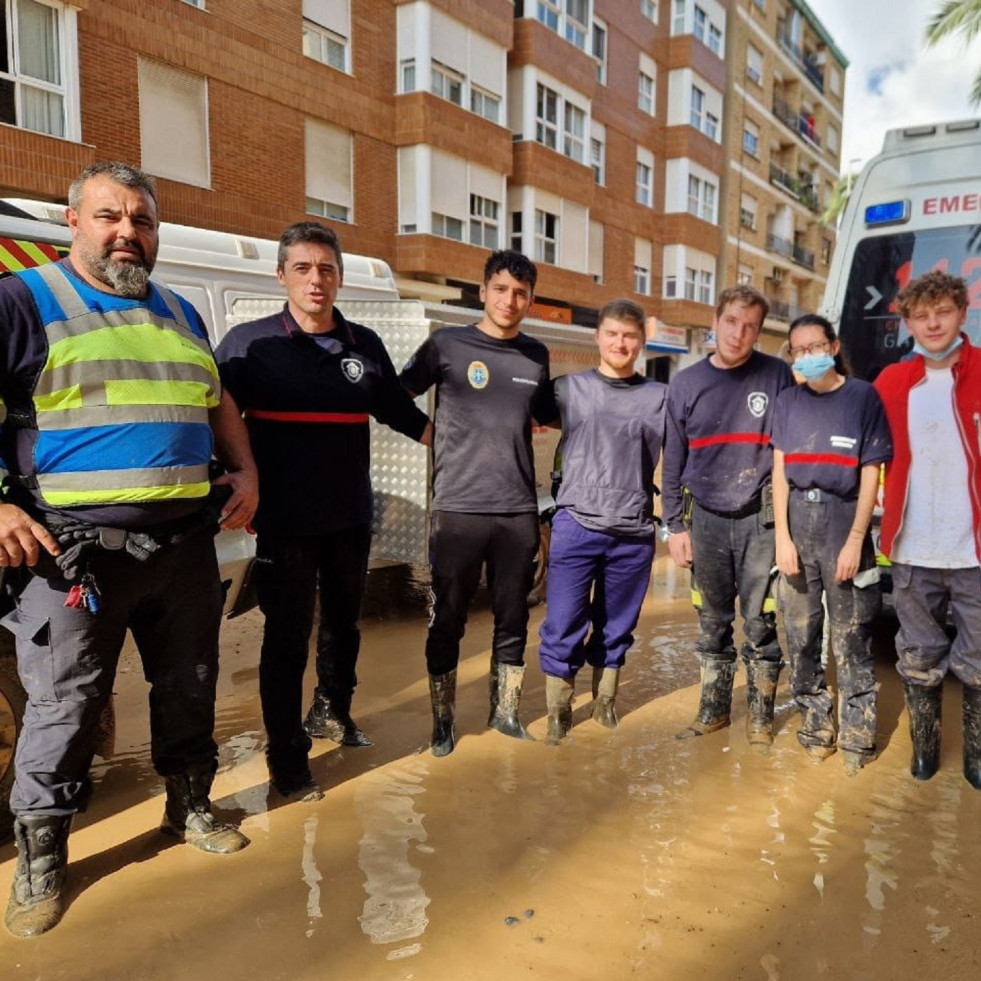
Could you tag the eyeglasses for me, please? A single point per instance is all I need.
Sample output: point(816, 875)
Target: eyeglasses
point(818, 347)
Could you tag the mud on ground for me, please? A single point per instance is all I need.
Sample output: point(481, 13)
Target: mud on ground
point(624, 854)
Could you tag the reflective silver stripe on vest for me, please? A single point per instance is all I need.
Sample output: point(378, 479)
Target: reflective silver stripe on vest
point(87, 373)
point(111, 479)
point(121, 415)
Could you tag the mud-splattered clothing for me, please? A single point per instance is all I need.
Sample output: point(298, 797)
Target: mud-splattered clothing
point(826, 439)
point(718, 435)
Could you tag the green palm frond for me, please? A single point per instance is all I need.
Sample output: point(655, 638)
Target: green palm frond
point(954, 17)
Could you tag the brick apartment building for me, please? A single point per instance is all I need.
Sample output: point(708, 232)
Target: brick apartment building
point(608, 139)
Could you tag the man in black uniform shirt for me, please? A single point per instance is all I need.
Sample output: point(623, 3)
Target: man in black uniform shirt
point(307, 380)
point(491, 380)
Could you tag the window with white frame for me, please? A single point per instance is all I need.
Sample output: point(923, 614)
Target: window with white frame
point(594, 262)
point(649, 9)
point(689, 274)
point(700, 24)
point(644, 192)
point(702, 196)
point(754, 64)
point(597, 157)
point(446, 83)
point(546, 236)
point(329, 176)
point(547, 117)
point(643, 250)
point(646, 85)
point(834, 80)
point(485, 104)
point(446, 226)
point(327, 32)
point(751, 138)
point(832, 139)
point(599, 50)
point(516, 224)
point(678, 18)
point(407, 75)
point(715, 40)
point(747, 212)
point(642, 280)
point(568, 18)
point(484, 222)
point(38, 45)
point(699, 284)
point(574, 133)
point(173, 112)
point(744, 275)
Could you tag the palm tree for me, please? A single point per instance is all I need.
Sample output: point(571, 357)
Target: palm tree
point(835, 205)
point(957, 17)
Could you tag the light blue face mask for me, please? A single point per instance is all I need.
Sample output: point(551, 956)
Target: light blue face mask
point(813, 366)
point(939, 355)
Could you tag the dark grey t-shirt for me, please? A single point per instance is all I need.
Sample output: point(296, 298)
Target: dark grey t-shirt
point(487, 392)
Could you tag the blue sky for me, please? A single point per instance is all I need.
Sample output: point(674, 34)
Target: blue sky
point(892, 79)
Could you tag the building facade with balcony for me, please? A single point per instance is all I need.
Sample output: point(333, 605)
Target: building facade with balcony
point(601, 137)
point(783, 149)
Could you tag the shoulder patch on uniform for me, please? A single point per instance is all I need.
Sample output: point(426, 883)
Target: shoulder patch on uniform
point(478, 375)
point(757, 403)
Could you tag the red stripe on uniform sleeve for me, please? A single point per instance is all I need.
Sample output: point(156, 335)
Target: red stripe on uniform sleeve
point(833, 458)
point(758, 438)
point(333, 417)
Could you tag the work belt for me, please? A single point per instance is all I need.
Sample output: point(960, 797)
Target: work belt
point(752, 506)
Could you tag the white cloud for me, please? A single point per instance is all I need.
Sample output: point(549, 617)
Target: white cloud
point(892, 79)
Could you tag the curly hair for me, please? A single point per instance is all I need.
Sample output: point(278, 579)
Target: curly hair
point(931, 288)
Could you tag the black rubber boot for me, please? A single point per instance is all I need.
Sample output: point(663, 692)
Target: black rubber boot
point(442, 692)
point(187, 814)
point(291, 778)
point(972, 736)
point(715, 699)
point(330, 718)
point(558, 702)
point(924, 707)
point(36, 903)
point(761, 695)
point(606, 681)
point(504, 717)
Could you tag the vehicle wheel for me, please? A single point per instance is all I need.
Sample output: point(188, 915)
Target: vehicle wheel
point(12, 701)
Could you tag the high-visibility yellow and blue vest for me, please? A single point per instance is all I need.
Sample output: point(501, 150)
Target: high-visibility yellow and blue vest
point(121, 405)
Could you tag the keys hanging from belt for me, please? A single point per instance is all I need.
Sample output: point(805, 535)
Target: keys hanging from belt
point(84, 595)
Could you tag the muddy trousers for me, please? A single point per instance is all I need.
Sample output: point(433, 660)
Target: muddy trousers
point(594, 578)
point(925, 651)
point(819, 529)
point(733, 557)
point(459, 547)
point(67, 662)
point(291, 573)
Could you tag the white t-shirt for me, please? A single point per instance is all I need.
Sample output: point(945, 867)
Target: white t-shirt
point(937, 529)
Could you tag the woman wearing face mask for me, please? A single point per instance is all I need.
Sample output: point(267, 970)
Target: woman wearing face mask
point(829, 437)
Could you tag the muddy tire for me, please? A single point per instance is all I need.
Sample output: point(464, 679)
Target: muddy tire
point(12, 701)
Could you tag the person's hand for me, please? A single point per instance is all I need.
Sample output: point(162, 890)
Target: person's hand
point(679, 545)
point(849, 559)
point(787, 561)
point(22, 538)
point(238, 510)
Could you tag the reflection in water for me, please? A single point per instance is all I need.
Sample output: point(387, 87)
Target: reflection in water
point(311, 874)
point(882, 848)
point(820, 841)
point(396, 905)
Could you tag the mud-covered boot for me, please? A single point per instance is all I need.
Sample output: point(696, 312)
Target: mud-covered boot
point(715, 699)
point(504, 718)
point(492, 688)
point(558, 702)
point(606, 681)
point(924, 707)
point(187, 813)
point(330, 718)
point(761, 694)
point(442, 692)
point(36, 902)
point(972, 736)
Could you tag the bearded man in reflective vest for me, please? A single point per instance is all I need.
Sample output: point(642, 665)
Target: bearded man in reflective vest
point(113, 408)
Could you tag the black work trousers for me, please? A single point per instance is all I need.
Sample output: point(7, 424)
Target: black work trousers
point(291, 571)
point(459, 547)
point(67, 660)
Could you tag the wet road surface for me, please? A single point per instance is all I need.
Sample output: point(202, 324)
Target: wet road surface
point(624, 854)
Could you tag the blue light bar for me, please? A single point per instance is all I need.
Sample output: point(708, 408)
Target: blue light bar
point(889, 213)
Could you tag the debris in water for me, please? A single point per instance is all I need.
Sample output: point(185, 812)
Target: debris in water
point(529, 913)
point(511, 920)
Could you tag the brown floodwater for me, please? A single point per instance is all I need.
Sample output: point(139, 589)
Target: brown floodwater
point(617, 854)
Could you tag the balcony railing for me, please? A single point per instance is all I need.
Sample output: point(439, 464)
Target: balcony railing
point(803, 257)
point(804, 59)
point(782, 246)
point(783, 179)
point(780, 310)
point(800, 123)
point(784, 113)
point(801, 187)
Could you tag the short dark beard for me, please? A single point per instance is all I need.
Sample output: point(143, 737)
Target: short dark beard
point(129, 279)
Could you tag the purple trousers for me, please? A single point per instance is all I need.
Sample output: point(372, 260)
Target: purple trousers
point(596, 580)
